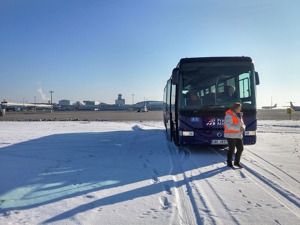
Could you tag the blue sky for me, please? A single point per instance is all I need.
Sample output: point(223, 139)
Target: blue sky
point(95, 50)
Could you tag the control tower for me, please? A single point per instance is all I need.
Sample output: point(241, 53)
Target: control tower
point(120, 101)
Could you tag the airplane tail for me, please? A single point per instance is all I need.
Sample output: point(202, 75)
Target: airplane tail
point(292, 106)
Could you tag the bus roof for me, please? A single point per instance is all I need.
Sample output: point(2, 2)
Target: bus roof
point(216, 59)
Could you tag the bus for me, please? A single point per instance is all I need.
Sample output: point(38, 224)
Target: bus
point(196, 98)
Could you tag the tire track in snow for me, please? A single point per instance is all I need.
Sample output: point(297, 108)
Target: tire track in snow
point(262, 164)
point(187, 212)
point(274, 171)
point(266, 181)
point(206, 194)
point(199, 200)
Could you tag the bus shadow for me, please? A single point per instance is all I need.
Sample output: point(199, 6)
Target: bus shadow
point(59, 167)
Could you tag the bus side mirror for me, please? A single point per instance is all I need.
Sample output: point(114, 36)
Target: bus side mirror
point(175, 76)
point(256, 78)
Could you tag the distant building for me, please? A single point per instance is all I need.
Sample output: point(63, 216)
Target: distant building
point(120, 101)
point(64, 105)
point(64, 102)
point(90, 103)
point(119, 105)
point(151, 105)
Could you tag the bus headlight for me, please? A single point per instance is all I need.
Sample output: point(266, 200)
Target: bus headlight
point(186, 133)
point(250, 133)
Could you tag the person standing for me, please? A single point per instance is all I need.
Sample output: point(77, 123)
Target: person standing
point(234, 128)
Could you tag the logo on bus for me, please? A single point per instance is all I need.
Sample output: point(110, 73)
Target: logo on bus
point(214, 122)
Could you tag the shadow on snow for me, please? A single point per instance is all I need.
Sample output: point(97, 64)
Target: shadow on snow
point(62, 166)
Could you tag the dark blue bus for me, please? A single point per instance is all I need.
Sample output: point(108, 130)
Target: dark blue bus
point(199, 92)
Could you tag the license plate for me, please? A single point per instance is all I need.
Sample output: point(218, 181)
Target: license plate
point(219, 142)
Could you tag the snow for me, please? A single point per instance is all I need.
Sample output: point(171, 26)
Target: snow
point(127, 173)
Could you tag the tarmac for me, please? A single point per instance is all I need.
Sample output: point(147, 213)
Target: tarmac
point(277, 114)
point(83, 116)
point(262, 114)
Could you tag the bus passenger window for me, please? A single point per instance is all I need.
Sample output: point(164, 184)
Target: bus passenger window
point(244, 83)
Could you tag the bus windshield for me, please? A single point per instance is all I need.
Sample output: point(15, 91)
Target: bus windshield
point(213, 86)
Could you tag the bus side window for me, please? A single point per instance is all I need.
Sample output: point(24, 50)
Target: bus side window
point(244, 85)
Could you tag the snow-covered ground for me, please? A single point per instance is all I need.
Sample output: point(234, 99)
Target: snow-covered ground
point(127, 173)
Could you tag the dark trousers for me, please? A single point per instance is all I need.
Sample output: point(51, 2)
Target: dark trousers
point(232, 144)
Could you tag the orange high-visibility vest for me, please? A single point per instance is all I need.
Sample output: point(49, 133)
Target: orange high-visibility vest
point(235, 121)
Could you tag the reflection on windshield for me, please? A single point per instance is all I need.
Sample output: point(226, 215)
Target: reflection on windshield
point(213, 88)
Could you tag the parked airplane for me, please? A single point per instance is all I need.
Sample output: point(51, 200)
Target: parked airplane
point(269, 107)
point(295, 108)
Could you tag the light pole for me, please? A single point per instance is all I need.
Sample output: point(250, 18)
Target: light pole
point(51, 92)
point(51, 96)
